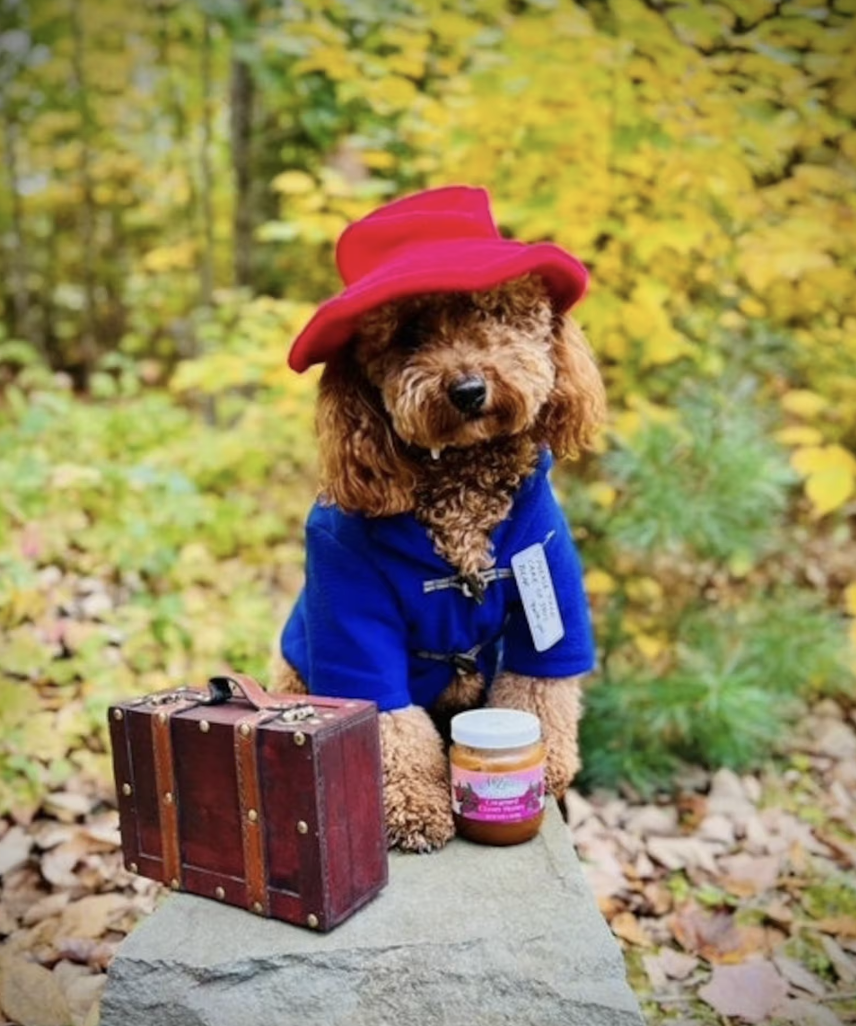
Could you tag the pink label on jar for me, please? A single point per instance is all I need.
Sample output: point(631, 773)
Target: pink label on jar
point(498, 797)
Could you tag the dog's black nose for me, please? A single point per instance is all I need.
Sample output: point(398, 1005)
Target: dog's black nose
point(468, 394)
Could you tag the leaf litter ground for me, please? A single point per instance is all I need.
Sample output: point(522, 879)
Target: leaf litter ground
point(734, 900)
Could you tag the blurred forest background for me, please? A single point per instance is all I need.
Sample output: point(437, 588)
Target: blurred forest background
point(175, 175)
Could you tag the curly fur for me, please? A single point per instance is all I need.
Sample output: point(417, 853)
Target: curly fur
point(392, 441)
point(415, 782)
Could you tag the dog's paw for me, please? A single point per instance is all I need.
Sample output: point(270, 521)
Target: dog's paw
point(416, 794)
point(421, 830)
point(557, 703)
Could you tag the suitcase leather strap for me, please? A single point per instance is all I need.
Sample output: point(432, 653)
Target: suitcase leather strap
point(252, 824)
point(167, 795)
point(222, 687)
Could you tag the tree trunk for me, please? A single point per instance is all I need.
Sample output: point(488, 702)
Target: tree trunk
point(88, 337)
point(206, 266)
point(242, 99)
point(21, 323)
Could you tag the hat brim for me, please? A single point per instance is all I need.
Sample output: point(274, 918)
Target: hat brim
point(467, 265)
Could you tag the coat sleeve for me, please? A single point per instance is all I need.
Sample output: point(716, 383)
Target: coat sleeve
point(574, 653)
point(355, 643)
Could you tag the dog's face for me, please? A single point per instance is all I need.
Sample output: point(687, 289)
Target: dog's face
point(450, 370)
point(461, 368)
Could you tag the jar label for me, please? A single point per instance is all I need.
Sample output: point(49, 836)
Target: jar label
point(498, 797)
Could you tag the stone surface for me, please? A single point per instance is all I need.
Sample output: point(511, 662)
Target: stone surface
point(469, 936)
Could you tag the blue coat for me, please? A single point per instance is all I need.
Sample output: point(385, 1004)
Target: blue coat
point(383, 617)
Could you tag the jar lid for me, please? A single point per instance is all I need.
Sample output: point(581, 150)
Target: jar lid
point(496, 728)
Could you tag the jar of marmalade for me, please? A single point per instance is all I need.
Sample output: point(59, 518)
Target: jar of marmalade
point(497, 770)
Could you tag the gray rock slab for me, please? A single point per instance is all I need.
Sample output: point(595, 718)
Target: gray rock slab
point(468, 936)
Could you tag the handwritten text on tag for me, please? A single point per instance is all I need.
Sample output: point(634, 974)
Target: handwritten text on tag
point(538, 595)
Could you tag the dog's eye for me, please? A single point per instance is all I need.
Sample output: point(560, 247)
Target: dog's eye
point(411, 336)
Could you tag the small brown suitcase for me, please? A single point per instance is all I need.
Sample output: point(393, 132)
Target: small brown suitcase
point(267, 801)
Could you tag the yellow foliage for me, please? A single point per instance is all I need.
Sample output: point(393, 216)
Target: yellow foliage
point(645, 591)
point(599, 582)
point(651, 646)
point(390, 93)
point(602, 493)
point(830, 473)
point(293, 183)
point(179, 257)
point(803, 402)
point(815, 458)
point(336, 61)
point(829, 489)
point(799, 434)
point(378, 159)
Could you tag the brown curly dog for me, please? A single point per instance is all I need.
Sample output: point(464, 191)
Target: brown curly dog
point(441, 408)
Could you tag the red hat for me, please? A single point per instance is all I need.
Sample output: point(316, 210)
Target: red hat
point(441, 240)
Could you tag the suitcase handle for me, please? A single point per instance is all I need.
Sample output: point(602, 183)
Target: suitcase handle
point(221, 689)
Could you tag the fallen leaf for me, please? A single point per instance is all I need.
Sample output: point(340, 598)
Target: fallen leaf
point(748, 875)
point(7, 923)
point(58, 863)
point(726, 785)
point(716, 828)
point(86, 951)
point(644, 868)
point(797, 975)
point(91, 916)
point(82, 994)
point(715, 936)
point(659, 897)
point(66, 806)
point(654, 970)
point(834, 739)
point(677, 965)
point(778, 912)
point(841, 926)
point(807, 1013)
point(839, 846)
point(683, 853)
point(104, 831)
point(666, 965)
point(15, 848)
point(22, 889)
point(756, 837)
point(30, 995)
point(579, 810)
point(626, 926)
point(652, 819)
point(843, 964)
point(752, 991)
point(50, 905)
point(47, 833)
point(602, 868)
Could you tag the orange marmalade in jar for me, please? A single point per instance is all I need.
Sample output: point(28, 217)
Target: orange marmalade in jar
point(497, 770)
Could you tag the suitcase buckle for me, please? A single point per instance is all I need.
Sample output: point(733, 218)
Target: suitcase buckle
point(167, 698)
point(298, 712)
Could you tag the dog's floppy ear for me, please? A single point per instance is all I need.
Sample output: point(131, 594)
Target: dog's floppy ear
point(362, 467)
point(576, 406)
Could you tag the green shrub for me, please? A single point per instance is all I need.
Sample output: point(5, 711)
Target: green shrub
point(708, 647)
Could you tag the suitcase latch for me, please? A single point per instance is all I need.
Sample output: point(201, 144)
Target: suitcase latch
point(298, 712)
point(168, 698)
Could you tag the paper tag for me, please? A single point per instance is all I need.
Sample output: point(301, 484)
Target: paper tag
point(535, 584)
